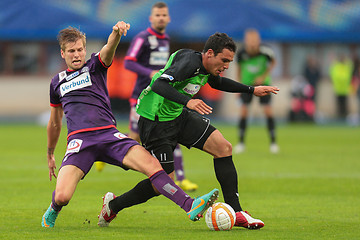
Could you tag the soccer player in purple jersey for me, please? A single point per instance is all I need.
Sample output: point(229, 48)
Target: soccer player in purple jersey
point(81, 93)
point(147, 54)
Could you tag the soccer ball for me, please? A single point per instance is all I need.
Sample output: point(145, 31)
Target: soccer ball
point(220, 217)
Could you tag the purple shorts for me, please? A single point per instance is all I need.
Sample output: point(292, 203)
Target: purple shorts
point(107, 145)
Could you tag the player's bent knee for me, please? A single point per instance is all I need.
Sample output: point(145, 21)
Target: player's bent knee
point(223, 150)
point(226, 149)
point(217, 145)
point(62, 198)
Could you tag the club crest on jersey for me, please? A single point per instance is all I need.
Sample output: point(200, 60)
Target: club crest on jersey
point(153, 42)
point(85, 69)
point(79, 82)
point(74, 146)
point(62, 75)
point(119, 135)
point(191, 89)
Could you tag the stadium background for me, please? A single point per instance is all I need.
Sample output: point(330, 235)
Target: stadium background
point(310, 190)
point(29, 53)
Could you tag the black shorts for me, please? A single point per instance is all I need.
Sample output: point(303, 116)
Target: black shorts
point(246, 98)
point(160, 138)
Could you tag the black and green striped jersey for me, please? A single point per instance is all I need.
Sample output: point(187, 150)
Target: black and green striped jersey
point(185, 72)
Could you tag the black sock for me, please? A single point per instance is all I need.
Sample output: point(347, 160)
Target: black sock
point(142, 192)
point(226, 175)
point(271, 128)
point(242, 128)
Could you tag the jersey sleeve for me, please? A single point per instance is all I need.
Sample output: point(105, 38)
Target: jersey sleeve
point(96, 60)
point(54, 97)
point(135, 49)
point(229, 85)
point(182, 67)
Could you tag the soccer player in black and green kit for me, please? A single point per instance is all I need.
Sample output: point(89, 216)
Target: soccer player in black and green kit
point(169, 115)
point(255, 62)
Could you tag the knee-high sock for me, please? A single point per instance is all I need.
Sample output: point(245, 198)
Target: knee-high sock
point(242, 129)
point(271, 128)
point(166, 186)
point(54, 205)
point(226, 175)
point(178, 164)
point(142, 192)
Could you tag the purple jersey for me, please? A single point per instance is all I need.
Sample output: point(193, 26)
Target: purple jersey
point(149, 50)
point(84, 97)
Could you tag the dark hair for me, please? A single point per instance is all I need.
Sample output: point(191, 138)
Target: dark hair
point(218, 41)
point(159, 5)
point(70, 34)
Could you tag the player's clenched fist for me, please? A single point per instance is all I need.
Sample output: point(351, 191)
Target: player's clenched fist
point(121, 27)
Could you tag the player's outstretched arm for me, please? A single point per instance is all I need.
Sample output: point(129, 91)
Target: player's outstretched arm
point(53, 133)
point(260, 91)
point(229, 85)
point(108, 51)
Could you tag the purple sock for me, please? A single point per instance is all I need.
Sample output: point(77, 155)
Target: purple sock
point(56, 207)
point(166, 186)
point(178, 164)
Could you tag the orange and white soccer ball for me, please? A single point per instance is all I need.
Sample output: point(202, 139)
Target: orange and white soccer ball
point(220, 217)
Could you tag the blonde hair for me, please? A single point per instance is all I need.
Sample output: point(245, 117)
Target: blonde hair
point(70, 34)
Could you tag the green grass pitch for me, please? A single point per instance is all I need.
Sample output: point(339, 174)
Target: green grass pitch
point(310, 190)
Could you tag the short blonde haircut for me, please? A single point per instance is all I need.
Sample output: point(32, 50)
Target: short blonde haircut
point(70, 34)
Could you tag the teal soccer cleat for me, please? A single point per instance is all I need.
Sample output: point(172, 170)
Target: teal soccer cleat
point(49, 217)
point(201, 204)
